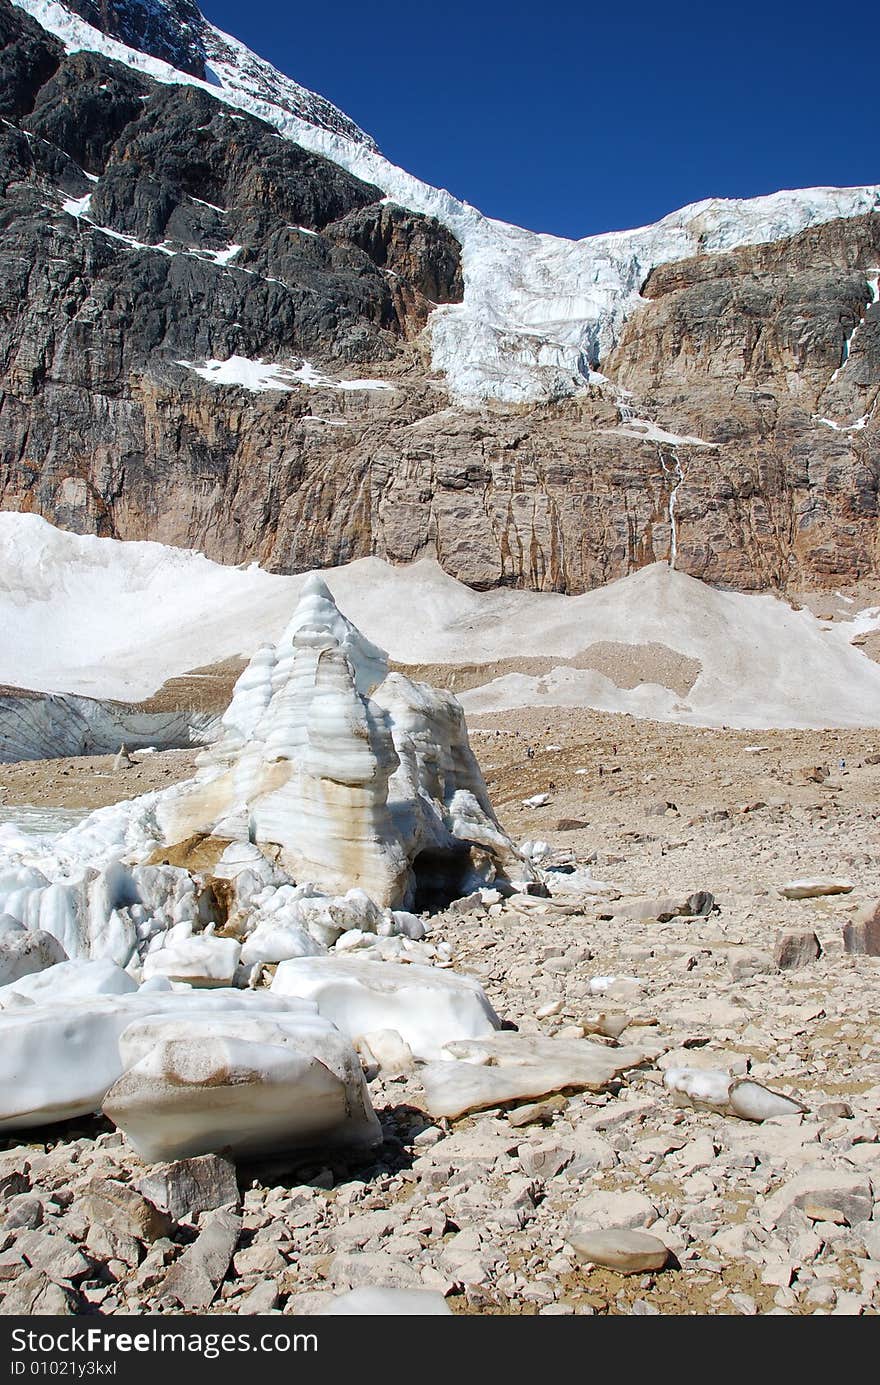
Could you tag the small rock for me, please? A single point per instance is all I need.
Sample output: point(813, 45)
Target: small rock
point(123, 1209)
point(814, 889)
point(796, 948)
point(612, 1210)
point(835, 1110)
point(25, 1212)
point(620, 1248)
point(261, 1299)
point(543, 1161)
point(546, 1011)
point(538, 1112)
point(187, 1186)
point(861, 936)
point(13, 1182)
point(816, 774)
point(35, 1294)
point(261, 1258)
point(743, 1303)
point(610, 1025)
point(195, 1278)
point(818, 1189)
point(467, 904)
point(56, 1254)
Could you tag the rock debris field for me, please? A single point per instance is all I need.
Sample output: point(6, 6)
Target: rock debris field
point(708, 946)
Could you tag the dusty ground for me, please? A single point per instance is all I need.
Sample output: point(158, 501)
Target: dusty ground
point(90, 781)
point(480, 1208)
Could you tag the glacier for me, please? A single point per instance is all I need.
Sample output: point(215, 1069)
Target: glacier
point(539, 311)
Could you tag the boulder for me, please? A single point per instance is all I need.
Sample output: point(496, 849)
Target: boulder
point(188, 1186)
point(699, 904)
point(861, 936)
point(814, 889)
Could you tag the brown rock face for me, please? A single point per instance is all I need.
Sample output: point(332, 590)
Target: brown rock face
point(761, 351)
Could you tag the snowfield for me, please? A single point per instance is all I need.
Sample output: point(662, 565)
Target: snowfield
point(258, 376)
point(107, 619)
point(539, 311)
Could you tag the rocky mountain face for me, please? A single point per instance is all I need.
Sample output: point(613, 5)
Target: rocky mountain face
point(147, 230)
point(173, 31)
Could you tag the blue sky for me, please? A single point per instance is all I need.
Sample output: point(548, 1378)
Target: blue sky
point(580, 118)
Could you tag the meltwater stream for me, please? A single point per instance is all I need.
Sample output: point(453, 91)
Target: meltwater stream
point(38, 822)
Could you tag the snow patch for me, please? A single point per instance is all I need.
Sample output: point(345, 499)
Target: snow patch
point(259, 375)
point(650, 431)
point(77, 206)
point(256, 376)
point(111, 619)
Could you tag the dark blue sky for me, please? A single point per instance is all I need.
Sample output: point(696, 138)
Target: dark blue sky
point(579, 118)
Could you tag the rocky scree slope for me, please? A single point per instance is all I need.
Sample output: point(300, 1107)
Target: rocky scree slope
point(150, 229)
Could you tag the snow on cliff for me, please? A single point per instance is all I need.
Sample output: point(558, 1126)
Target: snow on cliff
point(109, 619)
point(538, 310)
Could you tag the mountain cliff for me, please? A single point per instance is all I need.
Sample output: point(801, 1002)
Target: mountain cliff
point(284, 349)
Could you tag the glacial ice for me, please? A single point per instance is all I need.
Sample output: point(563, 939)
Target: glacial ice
point(351, 777)
point(335, 791)
point(336, 796)
point(60, 1057)
point(241, 1084)
point(381, 1302)
point(257, 376)
point(64, 981)
point(490, 1071)
point(719, 1090)
point(24, 951)
point(199, 961)
point(164, 611)
point(427, 1007)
